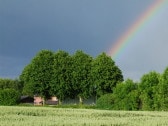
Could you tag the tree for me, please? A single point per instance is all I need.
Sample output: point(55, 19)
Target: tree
point(81, 79)
point(163, 90)
point(11, 84)
point(26, 79)
point(61, 78)
point(147, 87)
point(37, 75)
point(105, 74)
point(126, 96)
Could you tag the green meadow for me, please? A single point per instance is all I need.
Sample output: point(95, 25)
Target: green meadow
point(50, 116)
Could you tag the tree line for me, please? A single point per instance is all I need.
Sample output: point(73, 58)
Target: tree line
point(151, 93)
point(63, 75)
point(82, 76)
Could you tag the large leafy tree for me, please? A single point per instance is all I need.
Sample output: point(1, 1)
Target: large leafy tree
point(105, 74)
point(81, 79)
point(61, 78)
point(25, 78)
point(147, 88)
point(37, 75)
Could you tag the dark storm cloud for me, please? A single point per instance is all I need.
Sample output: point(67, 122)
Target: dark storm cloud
point(91, 25)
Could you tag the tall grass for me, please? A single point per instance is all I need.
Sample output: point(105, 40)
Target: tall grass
point(47, 116)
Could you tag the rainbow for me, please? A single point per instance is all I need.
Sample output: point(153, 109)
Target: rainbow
point(121, 43)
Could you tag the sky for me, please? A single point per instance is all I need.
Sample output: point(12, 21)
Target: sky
point(28, 26)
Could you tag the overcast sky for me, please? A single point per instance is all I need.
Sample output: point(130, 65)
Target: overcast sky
point(28, 26)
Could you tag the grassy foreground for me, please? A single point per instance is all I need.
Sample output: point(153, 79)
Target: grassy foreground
point(47, 116)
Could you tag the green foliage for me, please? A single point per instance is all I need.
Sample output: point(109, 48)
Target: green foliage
point(9, 97)
point(147, 88)
point(25, 78)
point(61, 77)
point(105, 74)
point(37, 75)
point(105, 101)
point(126, 96)
point(163, 90)
point(12, 84)
point(81, 75)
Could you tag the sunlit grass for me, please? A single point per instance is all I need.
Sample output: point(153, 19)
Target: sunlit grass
point(47, 116)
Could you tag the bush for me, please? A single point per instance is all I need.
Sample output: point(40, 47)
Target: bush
point(9, 97)
point(105, 101)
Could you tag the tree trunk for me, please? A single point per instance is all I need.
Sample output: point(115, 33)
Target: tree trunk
point(60, 102)
point(80, 100)
point(43, 101)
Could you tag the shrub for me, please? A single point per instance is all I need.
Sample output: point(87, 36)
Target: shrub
point(9, 97)
point(105, 101)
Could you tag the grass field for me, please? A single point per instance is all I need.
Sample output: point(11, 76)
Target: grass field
point(48, 116)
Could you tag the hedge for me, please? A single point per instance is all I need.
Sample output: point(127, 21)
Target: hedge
point(9, 97)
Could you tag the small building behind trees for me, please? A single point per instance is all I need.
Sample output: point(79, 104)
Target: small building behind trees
point(38, 100)
point(27, 99)
point(52, 101)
